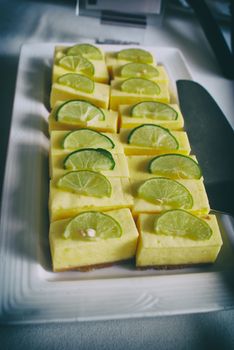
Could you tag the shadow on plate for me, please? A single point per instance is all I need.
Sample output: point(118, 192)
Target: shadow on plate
point(30, 123)
point(28, 205)
point(37, 82)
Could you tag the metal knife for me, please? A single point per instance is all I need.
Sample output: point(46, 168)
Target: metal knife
point(212, 141)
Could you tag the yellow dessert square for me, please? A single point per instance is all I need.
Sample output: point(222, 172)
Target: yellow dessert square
point(119, 97)
point(139, 165)
point(195, 187)
point(101, 74)
point(99, 97)
point(181, 136)
point(57, 137)
point(79, 254)
point(110, 123)
point(120, 169)
point(161, 77)
point(112, 60)
point(155, 250)
point(64, 204)
point(128, 122)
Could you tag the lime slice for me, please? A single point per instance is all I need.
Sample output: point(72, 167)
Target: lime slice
point(92, 225)
point(86, 182)
point(183, 224)
point(78, 64)
point(83, 138)
point(153, 110)
point(90, 159)
point(86, 50)
point(166, 192)
point(76, 111)
point(140, 86)
point(77, 81)
point(150, 135)
point(176, 166)
point(140, 70)
point(135, 55)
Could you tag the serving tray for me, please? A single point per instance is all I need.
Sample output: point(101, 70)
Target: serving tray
point(29, 291)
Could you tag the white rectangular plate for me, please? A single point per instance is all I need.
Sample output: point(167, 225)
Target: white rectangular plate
point(29, 290)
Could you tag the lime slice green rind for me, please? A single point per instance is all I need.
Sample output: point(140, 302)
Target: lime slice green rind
point(86, 50)
point(168, 193)
point(135, 55)
point(91, 226)
point(86, 182)
point(96, 159)
point(77, 63)
point(140, 70)
point(154, 110)
point(77, 111)
point(175, 165)
point(182, 224)
point(140, 86)
point(151, 135)
point(77, 81)
point(87, 138)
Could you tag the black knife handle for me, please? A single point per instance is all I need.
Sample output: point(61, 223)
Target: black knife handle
point(215, 37)
point(232, 25)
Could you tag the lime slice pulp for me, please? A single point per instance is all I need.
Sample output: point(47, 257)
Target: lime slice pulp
point(86, 50)
point(77, 63)
point(166, 192)
point(154, 110)
point(135, 55)
point(90, 159)
point(140, 86)
point(77, 111)
point(150, 135)
point(93, 225)
point(140, 70)
point(86, 182)
point(83, 138)
point(176, 166)
point(77, 81)
point(182, 224)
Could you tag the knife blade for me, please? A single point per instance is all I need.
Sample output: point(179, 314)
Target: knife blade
point(212, 141)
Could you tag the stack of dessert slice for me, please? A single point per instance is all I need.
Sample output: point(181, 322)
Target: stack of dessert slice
point(90, 192)
point(103, 181)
